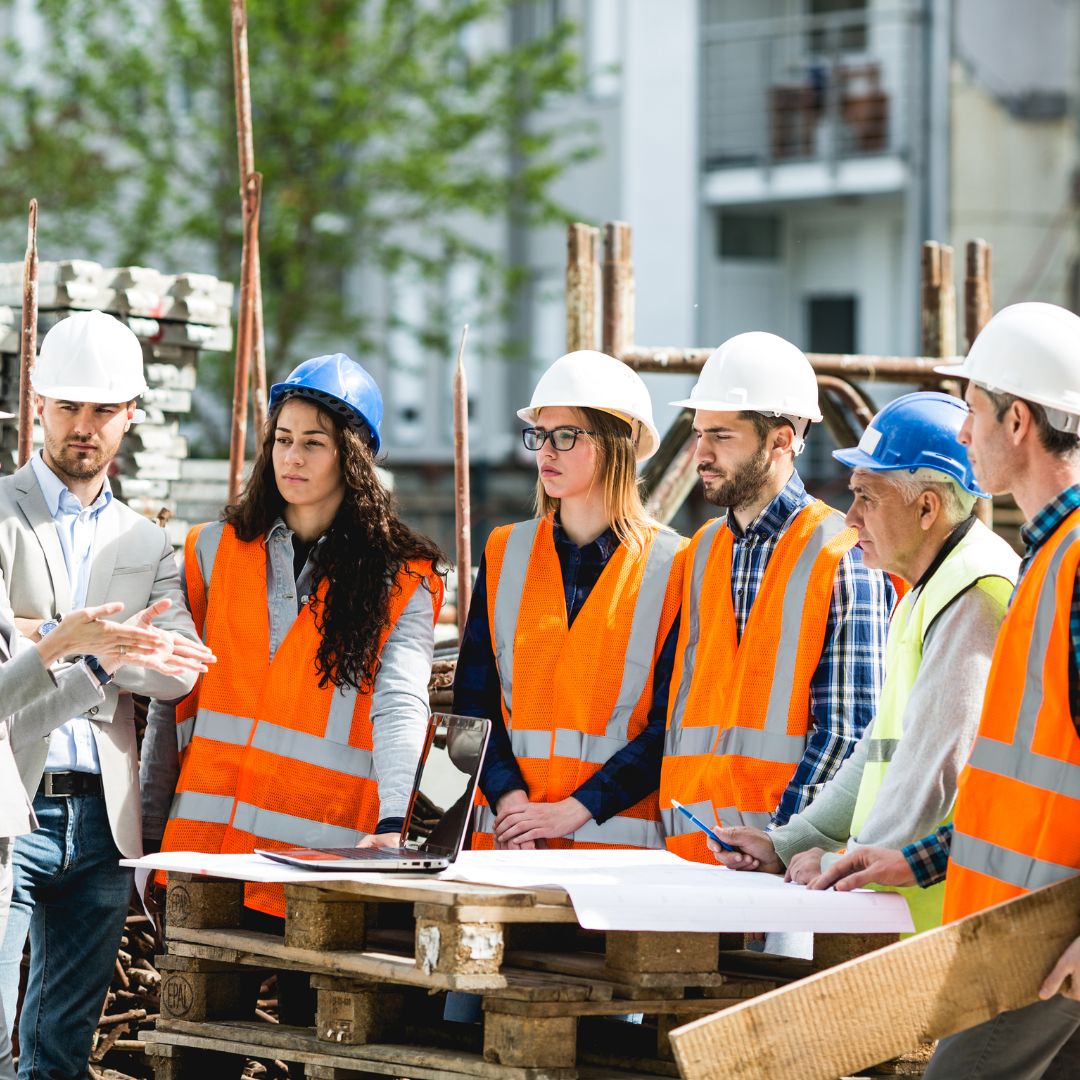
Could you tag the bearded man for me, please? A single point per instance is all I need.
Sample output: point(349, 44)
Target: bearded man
point(780, 658)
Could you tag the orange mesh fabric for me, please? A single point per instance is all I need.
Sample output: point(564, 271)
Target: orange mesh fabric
point(570, 677)
point(1000, 810)
point(250, 690)
point(732, 678)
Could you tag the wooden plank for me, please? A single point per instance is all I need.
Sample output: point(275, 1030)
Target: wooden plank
point(300, 1045)
point(466, 913)
point(252, 949)
point(592, 966)
point(880, 1005)
point(581, 272)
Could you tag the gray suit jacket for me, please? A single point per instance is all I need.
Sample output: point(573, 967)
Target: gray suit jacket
point(38, 702)
point(133, 562)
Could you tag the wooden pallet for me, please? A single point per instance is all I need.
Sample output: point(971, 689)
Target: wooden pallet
point(376, 953)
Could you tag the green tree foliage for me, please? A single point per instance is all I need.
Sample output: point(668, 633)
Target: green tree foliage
point(385, 130)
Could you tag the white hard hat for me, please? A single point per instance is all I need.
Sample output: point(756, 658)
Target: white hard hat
point(757, 372)
point(90, 356)
point(1032, 351)
point(594, 380)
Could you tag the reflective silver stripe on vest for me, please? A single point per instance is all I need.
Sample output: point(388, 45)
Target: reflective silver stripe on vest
point(313, 750)
point(676, 824)
point(1017, 760)
point(339, 722)
point(196, 806)
point(628, 831)
point(881, 749)
point(515, 566)
point(206, 548)
point(483, 819)
point(776, 717)
point(288, 829)
point(692, 613)
point(773, 742)
point(530, 744)
point(1023, 871)
point(644, 627)
point(216, 726)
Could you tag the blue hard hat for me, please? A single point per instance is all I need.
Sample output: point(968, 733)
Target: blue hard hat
point(916, 431)
point(340, 385)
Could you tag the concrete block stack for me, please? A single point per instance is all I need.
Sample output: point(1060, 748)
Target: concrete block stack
point(176, 317)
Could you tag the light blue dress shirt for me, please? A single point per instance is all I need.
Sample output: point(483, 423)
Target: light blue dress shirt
point(71, 746)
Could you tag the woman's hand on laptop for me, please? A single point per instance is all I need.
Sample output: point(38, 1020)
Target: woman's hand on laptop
point(384, 839)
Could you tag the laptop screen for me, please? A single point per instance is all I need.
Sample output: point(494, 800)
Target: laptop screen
point(441, 805)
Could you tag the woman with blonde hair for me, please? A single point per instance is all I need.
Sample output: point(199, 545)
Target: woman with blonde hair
point(572, 627)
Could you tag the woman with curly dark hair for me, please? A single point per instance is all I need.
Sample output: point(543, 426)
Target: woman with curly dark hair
point(320, 604)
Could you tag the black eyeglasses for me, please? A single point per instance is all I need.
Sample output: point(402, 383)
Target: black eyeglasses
point(562, 438)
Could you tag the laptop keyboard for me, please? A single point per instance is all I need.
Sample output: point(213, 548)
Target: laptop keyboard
point(372, 853)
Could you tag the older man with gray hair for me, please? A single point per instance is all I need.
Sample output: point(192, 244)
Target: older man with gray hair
point(914, 495)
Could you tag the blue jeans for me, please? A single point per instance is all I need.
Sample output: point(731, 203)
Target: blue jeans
point(71, 896)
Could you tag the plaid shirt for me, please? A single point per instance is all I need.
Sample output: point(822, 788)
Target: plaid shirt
point(845, 687)
point(929, 856)
point(628, 775)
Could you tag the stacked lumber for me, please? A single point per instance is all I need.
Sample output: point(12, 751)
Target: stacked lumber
point(175, 316)
point(381, 954)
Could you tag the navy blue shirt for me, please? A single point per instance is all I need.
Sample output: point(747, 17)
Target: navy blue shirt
point(628, 775)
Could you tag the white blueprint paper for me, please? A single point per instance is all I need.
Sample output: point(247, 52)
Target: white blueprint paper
point(617, 890)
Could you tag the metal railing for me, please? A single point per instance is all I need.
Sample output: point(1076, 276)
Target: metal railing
point(809, 88)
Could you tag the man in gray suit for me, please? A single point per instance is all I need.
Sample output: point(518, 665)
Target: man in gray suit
point(40, 700)
point(66, 543)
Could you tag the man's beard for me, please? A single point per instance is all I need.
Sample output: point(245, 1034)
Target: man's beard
point(76, 465)
point(742, 488)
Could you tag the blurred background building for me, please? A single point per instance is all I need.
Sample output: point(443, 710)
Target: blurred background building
point(780, 163)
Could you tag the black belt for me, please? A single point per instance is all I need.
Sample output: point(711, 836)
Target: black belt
point(60, 784)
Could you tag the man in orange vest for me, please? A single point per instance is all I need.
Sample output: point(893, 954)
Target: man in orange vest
point(781, 647)
point(1017, 821)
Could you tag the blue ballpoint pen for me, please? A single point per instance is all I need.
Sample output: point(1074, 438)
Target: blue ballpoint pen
point(701, 825)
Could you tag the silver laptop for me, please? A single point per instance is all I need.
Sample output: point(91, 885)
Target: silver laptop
point(440, 808)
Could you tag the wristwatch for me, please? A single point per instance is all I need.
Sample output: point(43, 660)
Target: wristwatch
point(49, 625)
point(96, 669)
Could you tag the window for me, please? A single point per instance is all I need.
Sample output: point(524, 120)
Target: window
point(748, 236)
point(836, 25)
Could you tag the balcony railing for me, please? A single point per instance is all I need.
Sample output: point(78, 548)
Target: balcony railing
point(811, 88)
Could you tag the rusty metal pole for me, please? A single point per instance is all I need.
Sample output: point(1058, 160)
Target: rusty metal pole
point(462, 506)
point(28, 338)
point(617, 276)
point(245, 145)
point(244, 335)
point(938, 300)
point(581, 272)
point(978, 307)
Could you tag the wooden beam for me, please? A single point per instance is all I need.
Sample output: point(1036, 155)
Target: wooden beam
point(978, 292)
point(938, 300)
point(880, 1005)
point(581, 286)
point(617, 276)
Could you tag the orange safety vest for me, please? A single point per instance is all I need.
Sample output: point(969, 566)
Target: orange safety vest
point(268, 758)
point(574, 696)
point(737, 731)
point(1018, 798)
